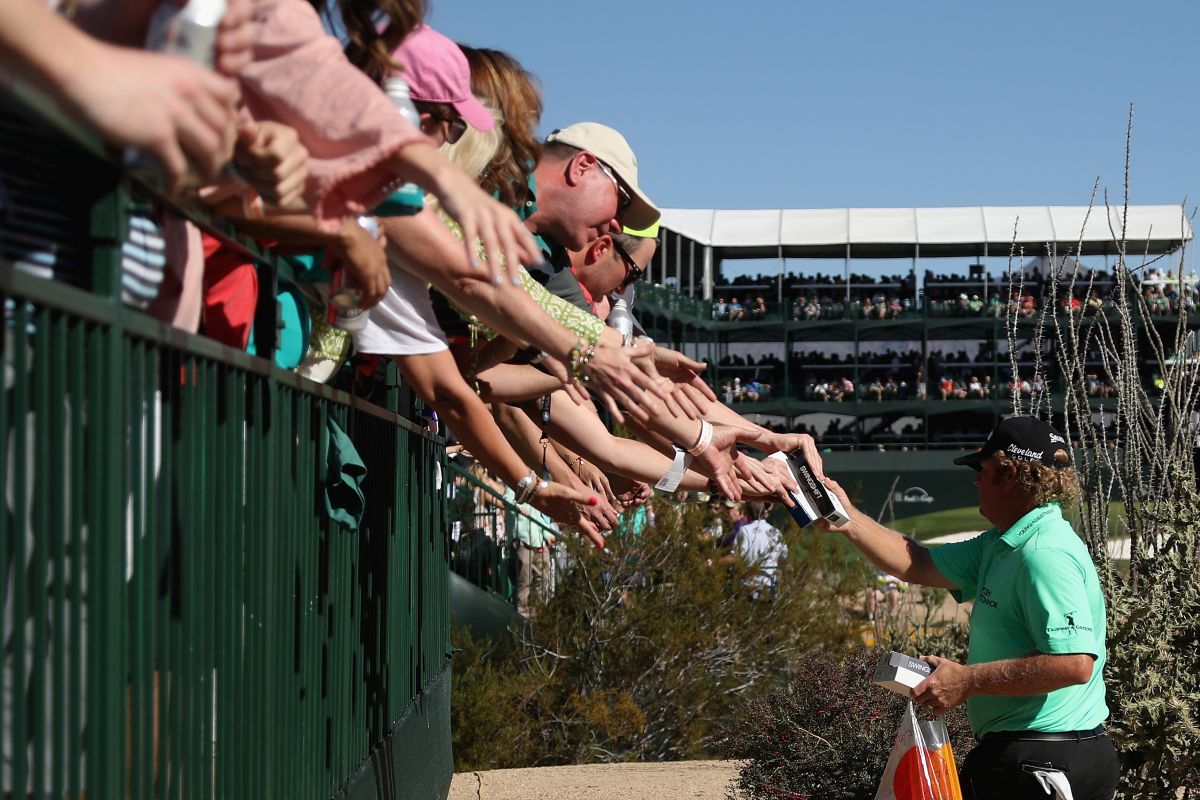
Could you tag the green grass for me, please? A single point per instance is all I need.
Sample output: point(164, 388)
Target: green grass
point(957, 520)
point(939, 523)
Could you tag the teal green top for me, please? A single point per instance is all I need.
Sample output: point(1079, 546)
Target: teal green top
point(531, 525)
point(1036, 591)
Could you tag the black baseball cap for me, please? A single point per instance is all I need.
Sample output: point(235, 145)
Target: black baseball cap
point(1022, 439)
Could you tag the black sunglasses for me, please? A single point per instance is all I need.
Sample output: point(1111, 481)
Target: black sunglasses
point(455, 129)
point(456, 125)
point(624, 198)
point(633, 272)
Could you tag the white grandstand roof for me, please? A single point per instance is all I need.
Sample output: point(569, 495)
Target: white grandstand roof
point(897, 232)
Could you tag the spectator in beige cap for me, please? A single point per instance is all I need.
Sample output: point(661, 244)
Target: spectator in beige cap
point(586, 185)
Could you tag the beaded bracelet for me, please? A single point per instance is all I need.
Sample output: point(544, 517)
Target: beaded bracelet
point(581, 355)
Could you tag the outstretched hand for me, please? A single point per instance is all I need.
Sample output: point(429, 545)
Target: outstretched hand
point(682, 371)
point(787, 442)
point(766, 478)
point(613, 375)
point(561, 503)
point(364, 259)
point(235, 38)
point(840, 493)
point(178, 112)
point(507, 243)
point(716, 460)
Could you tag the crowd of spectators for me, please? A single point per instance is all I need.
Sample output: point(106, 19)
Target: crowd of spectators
point(870, 305)
point(401, 174)
point(793, 281)
point(1164, 293)
point(753, 390)
point(734, 311)
point(830, 297)
point(813, 296)
point(890, 374)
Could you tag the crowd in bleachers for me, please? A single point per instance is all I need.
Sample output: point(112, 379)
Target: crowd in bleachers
point(735, 311)
point(829, 297)
point(888, 374)
point(1164, 293)
point(401, 176)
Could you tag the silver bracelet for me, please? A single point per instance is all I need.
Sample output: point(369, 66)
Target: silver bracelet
point(526, 488)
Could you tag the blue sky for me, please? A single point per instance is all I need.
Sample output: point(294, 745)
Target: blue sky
point(798, 104)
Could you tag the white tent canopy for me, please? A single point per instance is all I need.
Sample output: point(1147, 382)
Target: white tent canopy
point(901, 232)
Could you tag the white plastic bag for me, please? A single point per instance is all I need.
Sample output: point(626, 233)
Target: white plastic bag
point(921, 765)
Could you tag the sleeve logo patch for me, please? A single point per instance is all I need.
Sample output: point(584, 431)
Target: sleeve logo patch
point(1070, 627)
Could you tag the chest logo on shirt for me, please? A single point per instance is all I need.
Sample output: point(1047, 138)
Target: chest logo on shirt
point(985, 597)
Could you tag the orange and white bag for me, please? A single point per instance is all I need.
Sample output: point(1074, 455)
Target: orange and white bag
point(921, 765)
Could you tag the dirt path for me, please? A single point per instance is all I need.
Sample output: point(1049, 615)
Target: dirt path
point(698, 780)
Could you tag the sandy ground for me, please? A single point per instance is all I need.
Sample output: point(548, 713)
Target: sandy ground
point(701, 780)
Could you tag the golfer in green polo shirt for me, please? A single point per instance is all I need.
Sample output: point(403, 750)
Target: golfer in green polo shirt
point(1034, 680)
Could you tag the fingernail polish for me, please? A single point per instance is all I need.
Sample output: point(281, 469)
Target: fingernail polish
point(593, 501)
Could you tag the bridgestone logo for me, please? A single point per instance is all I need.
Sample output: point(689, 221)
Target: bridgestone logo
point(1021, 452)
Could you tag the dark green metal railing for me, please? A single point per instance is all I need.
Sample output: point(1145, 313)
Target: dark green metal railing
point(181, 616)
point(484, 546)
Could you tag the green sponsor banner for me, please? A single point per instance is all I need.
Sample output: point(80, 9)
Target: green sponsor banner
point(915, 482)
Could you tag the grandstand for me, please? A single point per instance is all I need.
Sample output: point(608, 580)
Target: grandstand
point(885, 329)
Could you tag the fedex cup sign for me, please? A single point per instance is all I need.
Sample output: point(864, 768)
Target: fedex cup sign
point(913, 494)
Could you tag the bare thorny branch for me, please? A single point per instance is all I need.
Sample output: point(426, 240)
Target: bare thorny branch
point(1142, 446)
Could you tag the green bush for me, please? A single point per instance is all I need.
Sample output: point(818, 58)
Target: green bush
point(826, 735)
point(1153, 671)
point(646, 651)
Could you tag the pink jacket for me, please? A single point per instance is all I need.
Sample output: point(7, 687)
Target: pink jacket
point(300, 77)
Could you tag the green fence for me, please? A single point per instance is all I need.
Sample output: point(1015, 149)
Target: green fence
point(483, 526)
point(181, 617)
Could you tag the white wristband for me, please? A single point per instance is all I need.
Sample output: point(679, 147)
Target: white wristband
point(702, 443)
point(670, 481)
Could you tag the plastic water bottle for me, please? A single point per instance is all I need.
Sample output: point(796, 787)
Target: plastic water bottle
point(344, 309)
point(409, 198)
point(190, 31)
point(620, 317)
point(396, 88)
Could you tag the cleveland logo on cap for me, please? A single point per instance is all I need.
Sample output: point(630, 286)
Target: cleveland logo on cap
point(1022, 452)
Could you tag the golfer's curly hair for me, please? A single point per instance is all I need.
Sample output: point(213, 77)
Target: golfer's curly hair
point(1044, 484)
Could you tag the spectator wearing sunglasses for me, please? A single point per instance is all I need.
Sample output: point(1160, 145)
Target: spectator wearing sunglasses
point(585, 186)
point(439, 82)
point(608, 265)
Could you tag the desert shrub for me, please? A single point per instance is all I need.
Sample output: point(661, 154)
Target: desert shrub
point(488, 694)
point(645, 651)
point(827, 734)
